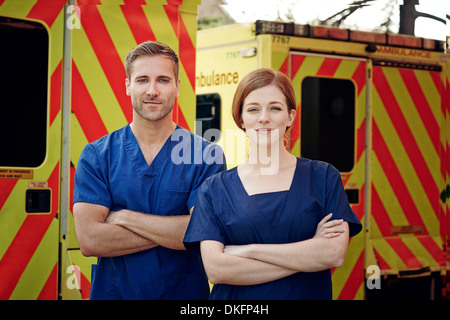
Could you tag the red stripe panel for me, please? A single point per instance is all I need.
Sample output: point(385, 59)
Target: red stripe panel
point(359, 76)
point(84, 108)
point(380, 214)
point(360, 140)
point(328, 67)
point(395, 179)
point(135, 2)
point(6, 187)
point(358, 209)
point(285, 67)
point(173, 15)
point(406, 136)
point(49, 291)
point(138, 23)
point(436, 76)
point(422, 106)
point(89, 2)
point(45, 11)
point(187, 52)
point(55, 93)
point(404, 252)
point(295, 131)
point(26, 241)
point(436, 252)
point(72, 185)
point(448, 95)
point(381, 262)
point(85, 286)
point(179, 117)
point(354, 281)
point(296, 63)
point(107, 55)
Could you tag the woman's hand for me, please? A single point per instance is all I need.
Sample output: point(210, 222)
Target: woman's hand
point(329, 229)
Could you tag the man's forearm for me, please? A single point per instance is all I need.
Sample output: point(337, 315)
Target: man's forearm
point(167, 231)
point(99, 239)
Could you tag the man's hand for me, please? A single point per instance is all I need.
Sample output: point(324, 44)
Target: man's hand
point(113, 217)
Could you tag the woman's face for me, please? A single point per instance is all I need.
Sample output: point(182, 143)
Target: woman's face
point(265, 115)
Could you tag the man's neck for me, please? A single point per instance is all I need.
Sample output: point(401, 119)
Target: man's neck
point(151, 136)
point(152, 132)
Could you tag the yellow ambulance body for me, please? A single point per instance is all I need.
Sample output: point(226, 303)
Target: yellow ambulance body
point(63, 64)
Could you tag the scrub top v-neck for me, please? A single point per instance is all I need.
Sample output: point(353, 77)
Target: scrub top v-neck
point(225, 212)
point(113, 172)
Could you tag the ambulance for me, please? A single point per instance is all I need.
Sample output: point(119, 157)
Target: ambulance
point(62, 64)
point(375, 106)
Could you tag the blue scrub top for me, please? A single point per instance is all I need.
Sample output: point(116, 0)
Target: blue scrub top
point(226, 213)
point(112, 172)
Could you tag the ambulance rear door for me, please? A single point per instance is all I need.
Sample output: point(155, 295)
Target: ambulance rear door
point(331, 126)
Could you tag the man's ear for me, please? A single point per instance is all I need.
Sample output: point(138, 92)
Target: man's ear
point(127, 86)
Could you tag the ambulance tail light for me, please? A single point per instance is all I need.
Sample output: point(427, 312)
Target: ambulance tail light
point(404, 41)
point(330, 33)
point(274, 27)
point(368, 37)
point(301, 30)
point(431, 44)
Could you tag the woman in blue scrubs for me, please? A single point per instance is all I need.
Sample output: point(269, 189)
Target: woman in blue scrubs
point(272, 227)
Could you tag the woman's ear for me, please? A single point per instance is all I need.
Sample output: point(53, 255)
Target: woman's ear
point(242, 124)
point(291, 117)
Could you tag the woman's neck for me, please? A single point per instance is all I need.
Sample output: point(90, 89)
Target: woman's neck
point(268, 159)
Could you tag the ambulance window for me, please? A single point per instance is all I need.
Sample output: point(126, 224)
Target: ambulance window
point(208, 116)
point(23, 93)
point(328, 121)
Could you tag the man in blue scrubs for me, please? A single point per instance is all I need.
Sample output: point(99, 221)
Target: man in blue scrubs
point(136, 187)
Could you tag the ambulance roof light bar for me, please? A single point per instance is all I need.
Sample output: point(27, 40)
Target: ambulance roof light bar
point(292, 29)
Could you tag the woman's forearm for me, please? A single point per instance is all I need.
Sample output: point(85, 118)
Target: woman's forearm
point(311, 255)
point(235, 270)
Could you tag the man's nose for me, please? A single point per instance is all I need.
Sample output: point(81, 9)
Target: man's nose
point(152, 90)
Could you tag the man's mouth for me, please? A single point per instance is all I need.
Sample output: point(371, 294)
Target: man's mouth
point(151, 102)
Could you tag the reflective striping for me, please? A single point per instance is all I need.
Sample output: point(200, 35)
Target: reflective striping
point(138, 24)
point(348, 281)
point(25, 242)
point(49, 291)
point(407, 168)
point(85, 110)
point(55, 98)
point(395, 179)
point(105, 52)
point(45, 12)
point(328, 67)
point(413, 153)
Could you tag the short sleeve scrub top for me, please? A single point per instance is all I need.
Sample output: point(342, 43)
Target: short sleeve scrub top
point(224, 212)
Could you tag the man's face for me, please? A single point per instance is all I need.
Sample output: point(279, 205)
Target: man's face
point(152, 87)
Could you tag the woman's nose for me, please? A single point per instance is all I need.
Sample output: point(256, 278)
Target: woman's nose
point(264, 116)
